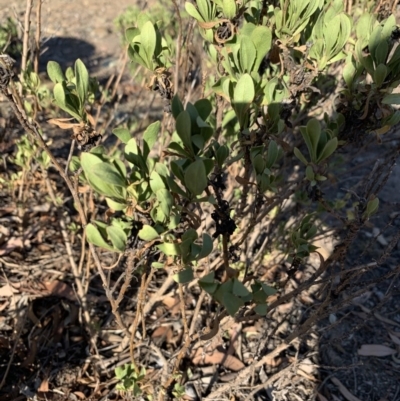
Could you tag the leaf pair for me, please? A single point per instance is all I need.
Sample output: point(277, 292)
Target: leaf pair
point(145, 45)
point(233, 294)
point(70, 95)
point(319, 143)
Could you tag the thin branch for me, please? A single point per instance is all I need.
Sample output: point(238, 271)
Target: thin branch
point(37, 35)
point(33, 131)
point(25, 43)
point(178, 48)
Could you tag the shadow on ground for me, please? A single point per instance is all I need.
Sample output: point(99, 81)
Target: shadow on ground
point(65, 50)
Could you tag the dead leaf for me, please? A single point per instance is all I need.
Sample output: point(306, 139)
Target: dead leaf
point(346, 393)
point(394, 337)
point(44, 386)
point(377, 315)
point(321, 397)
point(243, 181)
point(163, 331)
point(307, 366)
point(274, 362)
point(172, 303)
point(10, 245)
point(7, 291)
point(110, 337)
point(210, 332)
point(60, 289)
point(201, 357)
point(3, 306)
point(62, 122)
point(285, 308)
point(375, 350)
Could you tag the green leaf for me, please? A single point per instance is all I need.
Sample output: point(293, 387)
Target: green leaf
point(262, 39)
point(117, 237)
point(61, 100)
point(148, 233)
point(116, 206)
point(268, 290)
point(184, 129)
point(196, 178)
point(372, 207)
point(229, 8)
point(329, 148)
point(156, 182)
point(380, 74)
point(176, 106)
point(82, 81)
point(261, 309)
point(170, 249)
point(157, 265)
point(94, 237)
point(272, 154)
point(55, 72)
point(221, 155)
point(150, 137)
point(314, 134)
point(184, 276)
point(198, 141)
point(310, 173)
point(243, 96)
point(131, 34)
point(207, 247)
point(59, 95)
point(134, 55)
point(148, 40)
point(232, 303)
point(208, 278)
point(209, 288)
point(121, 372)
point(365, 25)
point(192, 11)
point(177, 148)
point(109, 174)
point(133, 155)
point(166, 201)
point(239, 289)
point(247, 54)
point(258, 164)
point(204, 108)
point(381, 53)
point(122, 134)
point(244, 91)
point(204, 8)
point(393, 98)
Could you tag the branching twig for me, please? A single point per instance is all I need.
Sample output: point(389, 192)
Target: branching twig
point(33, 131)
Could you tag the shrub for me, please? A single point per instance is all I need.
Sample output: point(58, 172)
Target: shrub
point(241, 174)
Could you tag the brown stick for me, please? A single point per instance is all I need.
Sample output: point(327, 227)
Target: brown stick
point(25, 43)
point(178, 48)
point(37, 35)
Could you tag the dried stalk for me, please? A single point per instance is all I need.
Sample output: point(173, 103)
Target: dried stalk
point(75, 270)
point(186, 344)
point(37, 35)
point(5, 76)
point(25, 43)
point(178, 48)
